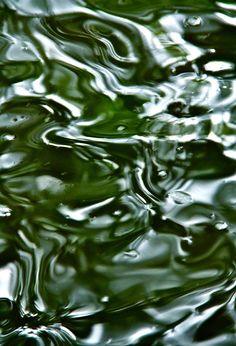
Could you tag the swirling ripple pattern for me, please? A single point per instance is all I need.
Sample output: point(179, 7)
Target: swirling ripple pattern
point(118, 172)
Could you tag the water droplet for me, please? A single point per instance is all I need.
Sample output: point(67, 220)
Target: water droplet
point(105, 299)
point(120, 128)
point(193, 21)
point(221, 225)
point(162, 174)
point(180, 197)
point(5, 211)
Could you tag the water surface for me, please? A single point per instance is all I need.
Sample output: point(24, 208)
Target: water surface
point(118, 172)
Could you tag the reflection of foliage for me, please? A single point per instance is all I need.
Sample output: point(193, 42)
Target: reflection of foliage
point(117, 170)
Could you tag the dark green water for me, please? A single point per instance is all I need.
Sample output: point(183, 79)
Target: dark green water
point(118, 172)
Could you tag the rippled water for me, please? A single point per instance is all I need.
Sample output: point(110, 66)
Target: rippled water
point(118, 172)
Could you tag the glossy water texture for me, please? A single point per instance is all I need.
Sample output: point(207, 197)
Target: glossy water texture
point(118, 172)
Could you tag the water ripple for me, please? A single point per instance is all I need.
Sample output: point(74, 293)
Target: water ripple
point(117, 168)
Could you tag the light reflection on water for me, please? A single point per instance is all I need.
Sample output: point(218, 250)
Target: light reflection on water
point(117, 168)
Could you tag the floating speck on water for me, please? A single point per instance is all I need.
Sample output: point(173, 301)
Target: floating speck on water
point(25, 47)
point(117, 212)
point(121, 128)
point(105, 299)
point(180, 153)
point(193, 21)
point(180, 149)
point(221, 225)
point(162, 174)
point(180, 197)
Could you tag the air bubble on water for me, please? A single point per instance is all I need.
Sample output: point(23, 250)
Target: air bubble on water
point(120, 128)
point(5, 211)
point(221, 225)
point(211, 50)
point(105, 299)
point(193, 21)
point(180, 197)
point(162, 174)
point(180, 149)
point(117, 213)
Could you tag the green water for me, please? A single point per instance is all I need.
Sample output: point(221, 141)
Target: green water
point(118, 172)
